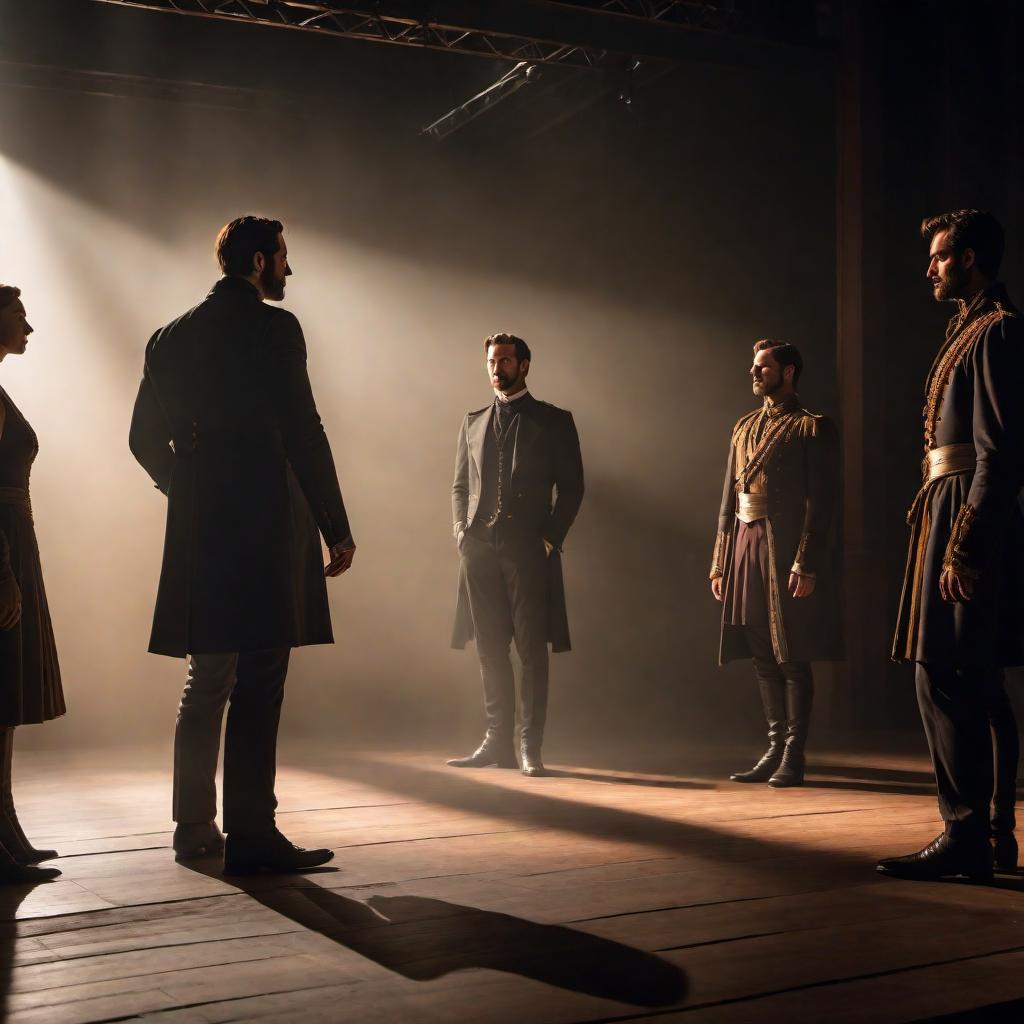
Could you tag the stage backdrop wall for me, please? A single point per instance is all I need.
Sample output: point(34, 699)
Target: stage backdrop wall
point(640, 251)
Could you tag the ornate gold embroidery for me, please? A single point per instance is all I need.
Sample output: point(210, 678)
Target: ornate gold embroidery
point(801, 549)
point(950, 359)
point(955, 558)
point(718, 558)
point(776, 626)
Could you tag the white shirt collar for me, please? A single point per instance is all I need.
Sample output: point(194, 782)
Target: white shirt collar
point(506, 399)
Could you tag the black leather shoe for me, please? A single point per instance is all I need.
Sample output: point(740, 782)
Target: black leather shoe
point(942, 858)
point(199, 840)
point(1004, 849)
point(14, 872)
point(14, 840)
point(498, 753)
point(532, 764)
point(271, 853)
point(764, 769)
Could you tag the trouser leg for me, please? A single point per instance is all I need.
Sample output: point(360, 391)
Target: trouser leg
point(6, 769)
point(211, 678)
point(525, 568)
point(955, 718)
point(250, 742)
point(492, 626)
point(1006, 743)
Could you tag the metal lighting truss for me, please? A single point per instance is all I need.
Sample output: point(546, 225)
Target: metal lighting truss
point(581, 33)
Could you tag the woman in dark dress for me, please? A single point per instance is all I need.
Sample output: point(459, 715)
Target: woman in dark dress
point(30, 689)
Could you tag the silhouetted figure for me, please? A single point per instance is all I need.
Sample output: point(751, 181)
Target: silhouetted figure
point(518, 486)
point(30, 686)
point(963, 592)
point(775, 566)
point(226, 425)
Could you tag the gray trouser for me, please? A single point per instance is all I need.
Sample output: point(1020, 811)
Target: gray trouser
point(506, 580)
point(254, 684)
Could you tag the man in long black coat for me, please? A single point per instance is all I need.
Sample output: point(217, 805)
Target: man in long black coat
point(961, 617)
point(775, 565)
point(226, 425)
point(518, 486)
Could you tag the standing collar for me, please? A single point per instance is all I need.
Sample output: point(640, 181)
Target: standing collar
point(508, 400)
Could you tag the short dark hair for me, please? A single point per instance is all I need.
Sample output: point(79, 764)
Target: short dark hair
point(783, 353)
point(240, 240)
point(522, 349)
point(971, 229)
point(8, 293)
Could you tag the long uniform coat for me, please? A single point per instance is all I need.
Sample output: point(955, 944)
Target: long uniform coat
point(971, 519)
point(226, 425)
point(547, 490)
point(801, 479)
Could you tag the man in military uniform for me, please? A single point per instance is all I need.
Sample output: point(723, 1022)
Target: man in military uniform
point(518, 486)
point(962, 608)
point(775, 564)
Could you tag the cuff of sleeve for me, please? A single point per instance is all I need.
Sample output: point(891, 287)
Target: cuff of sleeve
point(458, 528)
point(955, 558)
point(719, 555)
point(801, 570)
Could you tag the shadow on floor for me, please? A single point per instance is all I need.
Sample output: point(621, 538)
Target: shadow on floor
point(863, 771)
point(627, 780)
point(423, 939)
point(11, 898)
point(869, 787)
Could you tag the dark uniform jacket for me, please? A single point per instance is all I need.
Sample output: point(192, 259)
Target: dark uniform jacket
point(970, 518)
point(798, 472)
point(547, 489)
point(226, 425)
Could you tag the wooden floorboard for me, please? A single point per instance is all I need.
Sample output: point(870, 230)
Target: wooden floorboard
point(595, 895)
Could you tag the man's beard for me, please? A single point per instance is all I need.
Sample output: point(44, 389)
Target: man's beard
point(953, 287)
point(506, 383)
point(766, 389)
point(271, 285)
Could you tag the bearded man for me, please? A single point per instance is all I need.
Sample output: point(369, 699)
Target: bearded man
point(518, 486)
point(226, 426)
point(962, 607)
point(775, 562)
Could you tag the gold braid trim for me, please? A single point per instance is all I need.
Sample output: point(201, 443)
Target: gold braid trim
point(779, 430)
point(955, 558)
point(950, 359)
point(719, 555)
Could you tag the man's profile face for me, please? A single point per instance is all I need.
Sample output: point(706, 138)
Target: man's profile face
point(504, 371)
point(946, 270)
point(274, 272)
point(767, 375)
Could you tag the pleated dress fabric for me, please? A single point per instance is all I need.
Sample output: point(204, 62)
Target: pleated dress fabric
point(30, 685)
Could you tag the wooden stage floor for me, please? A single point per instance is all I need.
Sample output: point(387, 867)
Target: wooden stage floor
point(482, 896)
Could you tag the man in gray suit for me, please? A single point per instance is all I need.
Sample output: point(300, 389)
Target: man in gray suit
point(518, 486)
point(226, 426)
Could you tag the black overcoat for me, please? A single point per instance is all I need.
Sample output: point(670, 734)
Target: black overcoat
point(547, 490)
point(802, 482)
point(226, 425)
point(972, 517)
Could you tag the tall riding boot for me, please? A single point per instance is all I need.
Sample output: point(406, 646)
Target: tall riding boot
point(1006, 743)
point(12, 838)
point(773, 698)
point(799, 699)
point(499, 683)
